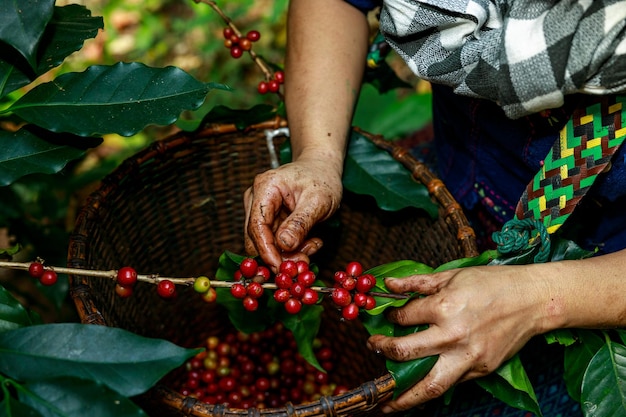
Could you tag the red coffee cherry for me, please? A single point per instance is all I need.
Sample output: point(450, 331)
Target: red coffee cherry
point(48, 277)
point(126, 276)
point(36, 269)
point(253, 35)
point(166, 289)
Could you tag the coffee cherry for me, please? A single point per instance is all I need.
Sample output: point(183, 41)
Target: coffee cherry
point(210, 296)
point(236, 52)
point(238, 290)
point(297, 290)
point(263, 87)
point(245, 44)
point(228, 43)
point(201, 284)
point(365, 283)
point(306, 278)
point(166, 289)
point(370, 302)
point(49, 277)
point(289, 267)
point(349, 283)
point(273, 86)
point(360, 299)
point(253, 35)
point(228, 32)
point(350, 312)
point(282, 295)
point(254, 290)
point(279, 76)
point(36, 269)
point(354, 269)
point(126, 276)
point(341, 297)
point(340, 276)
point(249, 267)
point(250, 303)
point(293, 306)
point(122, 291)
point(264, 272)
point(309, 297)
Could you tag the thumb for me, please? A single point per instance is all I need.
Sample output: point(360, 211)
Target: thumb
point(294, 229)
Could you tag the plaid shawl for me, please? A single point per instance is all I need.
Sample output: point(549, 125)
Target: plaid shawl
point(526, 55)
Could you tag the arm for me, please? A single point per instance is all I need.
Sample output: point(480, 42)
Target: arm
point(481, 316)
point(326, 52)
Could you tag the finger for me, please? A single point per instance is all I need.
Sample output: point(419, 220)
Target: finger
point(308, 248)
point(445, 374)
point(261, 217)
point(426, 284)
point(295, 228)
point(416, 345)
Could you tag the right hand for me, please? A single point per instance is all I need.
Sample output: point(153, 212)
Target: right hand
point(284, 204)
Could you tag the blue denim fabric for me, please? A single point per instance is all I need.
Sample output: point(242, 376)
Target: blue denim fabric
point(486, 160)
point(365, 5)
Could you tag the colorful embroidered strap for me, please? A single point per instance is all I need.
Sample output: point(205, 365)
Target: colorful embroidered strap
point(583, 150)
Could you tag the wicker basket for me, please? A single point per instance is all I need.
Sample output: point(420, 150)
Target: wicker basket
point(174, 207)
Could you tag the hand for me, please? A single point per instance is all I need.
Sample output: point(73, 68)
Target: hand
point(478, 318)
point(284, 204)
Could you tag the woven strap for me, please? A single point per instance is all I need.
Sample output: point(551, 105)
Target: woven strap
point(583, 150)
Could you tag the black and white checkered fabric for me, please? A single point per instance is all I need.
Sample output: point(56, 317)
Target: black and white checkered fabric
point(526, 55)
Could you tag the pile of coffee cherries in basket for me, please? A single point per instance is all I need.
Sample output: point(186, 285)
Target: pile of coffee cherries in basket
point(258, 370)
point(295, 287)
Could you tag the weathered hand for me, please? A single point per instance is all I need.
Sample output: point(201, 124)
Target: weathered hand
point(284, 204)
point(478, 318)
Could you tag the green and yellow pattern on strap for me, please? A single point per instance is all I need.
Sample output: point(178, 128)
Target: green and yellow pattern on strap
point(583, 150)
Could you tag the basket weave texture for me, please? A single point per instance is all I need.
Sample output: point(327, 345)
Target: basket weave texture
point(176, 206)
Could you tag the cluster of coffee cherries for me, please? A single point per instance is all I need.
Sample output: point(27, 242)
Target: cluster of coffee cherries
point(272, 85)
point(258, 370)
point(351, 290)
point(45, 276)
point(249, 283)
point(239, 44)
point(293, 286)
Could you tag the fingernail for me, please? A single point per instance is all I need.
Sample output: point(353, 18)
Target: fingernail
point(288, 240)
point(386, 409)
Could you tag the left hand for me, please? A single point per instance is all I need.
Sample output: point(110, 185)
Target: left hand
point(479, 317)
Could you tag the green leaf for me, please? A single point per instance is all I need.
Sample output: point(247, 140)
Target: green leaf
point(577, 357)
point(390, 114)
point(563, 337)
point(73, 397)
point(510, 384)
point(305, 327)
point(373, 171)
point(242, 118)
point(123, 99)
point(603, 390)
point(11, 407)
point(12, 314)
point(482, 259)
point(22, 25)
point(66, 33)
point(563, 249)
point(32, 150)
point(125, 362)
point(10, 251)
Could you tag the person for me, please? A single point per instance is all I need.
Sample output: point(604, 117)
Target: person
point(506, 76)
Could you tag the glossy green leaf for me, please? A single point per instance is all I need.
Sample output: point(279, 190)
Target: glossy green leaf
point(22, 25)
point(125, 362)
point(565, 337)
point(563, 249)
point(9, 252)
point(373, 171)
point(603, 389)
point(32, 150)
point(305, 327)
point(12, 314)
point(73, 397)
point(12, 407)
point(577, 357)
point(483, 259)
point(510, 384)
point(65, 33)
point(123, 98)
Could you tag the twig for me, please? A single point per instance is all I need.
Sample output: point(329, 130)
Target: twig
point(155, 278)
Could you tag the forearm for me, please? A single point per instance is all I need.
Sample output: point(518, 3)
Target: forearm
point(326, 53)
point(589, 293)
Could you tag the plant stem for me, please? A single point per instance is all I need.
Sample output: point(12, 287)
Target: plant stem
point(155, 278)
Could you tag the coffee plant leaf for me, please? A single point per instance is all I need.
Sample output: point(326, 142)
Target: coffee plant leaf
point(563, 337)
point(127, 363)
point(564, 249)
point(32, 150)
point(70, 397)
point(603, 392)
point(12, 407)
point(305, 327)
point(622, 335)
point(482, 259)
point(373, 171)
point(406, 374)
point(510, 384)
point(241, 118)
point(12, 314)
point(576, 359)
point(23, 27)
point(123, 98)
